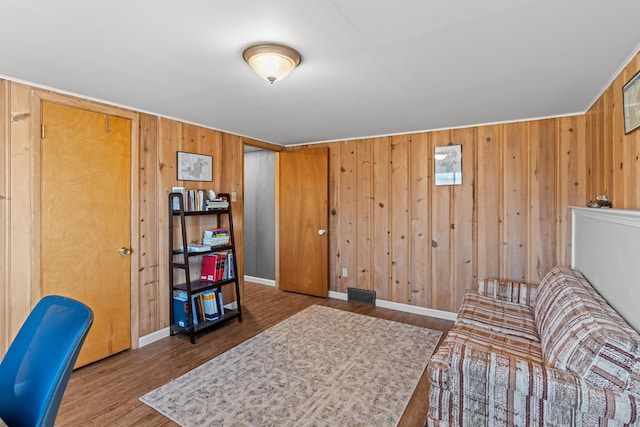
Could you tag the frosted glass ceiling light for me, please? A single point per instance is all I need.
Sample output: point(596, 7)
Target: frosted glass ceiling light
point(271, 61)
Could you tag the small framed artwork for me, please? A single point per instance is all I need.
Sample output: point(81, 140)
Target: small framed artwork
point(631, 104)
point(448, 165)
point(194, 167)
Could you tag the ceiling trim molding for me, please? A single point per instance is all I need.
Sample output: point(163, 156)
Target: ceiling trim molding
point(579, 113)
point(138, 110)
point(615, 75)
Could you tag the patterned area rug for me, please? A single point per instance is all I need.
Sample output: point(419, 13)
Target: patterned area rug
point(320, 367)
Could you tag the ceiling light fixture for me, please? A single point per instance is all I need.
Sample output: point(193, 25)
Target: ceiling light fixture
point(271, 61)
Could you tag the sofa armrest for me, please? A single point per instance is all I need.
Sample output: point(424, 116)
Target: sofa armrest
point(471, 369)
point(522, 293)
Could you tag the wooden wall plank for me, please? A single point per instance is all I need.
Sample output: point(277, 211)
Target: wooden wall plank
point(572, 178)
point(169, 138)
point(593, 125)
point(605, 139)
point(364, 217)
point(596, 150)
point(618, 142)
point(20, 194)
point(381, 232)
point(462, 219)
point(515, 140)
point(420, 198)
point(346, 177)
point(489, 196)
point(400, 226)
point(334, 224)
point(441, 274)
point(151, 291)
point(541, 219)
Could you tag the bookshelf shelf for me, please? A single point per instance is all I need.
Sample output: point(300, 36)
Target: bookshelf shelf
point(199, 286)
point(214, 249)
point(199, 213)
point(197, 305)
point(228, 315)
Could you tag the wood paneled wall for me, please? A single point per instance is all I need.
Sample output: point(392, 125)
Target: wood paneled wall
point(416, 243)
point(159, 139)
point(394, 231)
point(613, 157)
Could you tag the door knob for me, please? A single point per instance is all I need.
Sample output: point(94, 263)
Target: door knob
point(124, 251)
point(321, 232)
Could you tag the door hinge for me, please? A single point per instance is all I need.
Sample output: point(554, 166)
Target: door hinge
point(42, 131)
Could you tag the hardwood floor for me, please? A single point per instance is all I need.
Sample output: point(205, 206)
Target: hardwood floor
point(106, 392)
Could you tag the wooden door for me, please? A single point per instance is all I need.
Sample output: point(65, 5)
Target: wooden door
point(303, 240)
point(86, 219)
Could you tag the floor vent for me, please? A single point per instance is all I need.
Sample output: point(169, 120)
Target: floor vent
point(361, 295)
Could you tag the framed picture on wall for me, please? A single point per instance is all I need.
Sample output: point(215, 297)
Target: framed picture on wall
point(194, 167)
point(448, 165)
point(631, 104)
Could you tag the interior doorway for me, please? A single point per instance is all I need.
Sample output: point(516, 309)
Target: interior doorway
point(259, 215)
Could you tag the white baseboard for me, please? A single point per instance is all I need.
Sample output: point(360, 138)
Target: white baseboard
point(153, 337)
point(338, 295)
point(438, 314)
point(260, 280)
point(407, 308)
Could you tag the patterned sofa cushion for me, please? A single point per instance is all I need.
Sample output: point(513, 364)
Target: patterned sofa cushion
point(487, 341)
point(505, 317)
point(472, 340)
point(522, 293)
point(580, 333)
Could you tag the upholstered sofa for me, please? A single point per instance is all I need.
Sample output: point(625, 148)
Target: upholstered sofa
point(550, 355)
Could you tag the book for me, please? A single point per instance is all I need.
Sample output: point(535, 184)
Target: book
point(196, 200)
point(220, 304)
point(180, 309)
point(209, 264)
point(194, 247)
point(208, 268)
point(210, 306)
point(230, 270)
point(222, 257)
point(195, 309)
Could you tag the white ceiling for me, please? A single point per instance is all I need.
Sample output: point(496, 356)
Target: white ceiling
point(369, 67)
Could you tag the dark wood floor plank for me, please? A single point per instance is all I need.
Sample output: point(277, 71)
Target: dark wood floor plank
point(106, 392)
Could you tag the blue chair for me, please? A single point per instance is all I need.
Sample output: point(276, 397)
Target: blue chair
point(36, 369)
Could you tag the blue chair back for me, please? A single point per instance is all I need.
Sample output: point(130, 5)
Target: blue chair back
point(36, 369)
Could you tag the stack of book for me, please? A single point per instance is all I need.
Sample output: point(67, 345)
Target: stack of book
point(198, 200)
point(216, 267)
point(215, 237)
point(217, 204)
point(203, 307)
